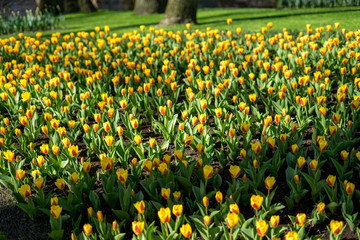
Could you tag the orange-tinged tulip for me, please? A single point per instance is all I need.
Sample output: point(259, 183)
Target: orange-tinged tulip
point(163, 167)
point(243, 153)
point(109, 140)
point(272, 142)
point(164, 215)
point(25, 190)
point(20, 174)
point(186, 230)
point(9, 155)
point(74, 177)
point(229, 21)
point(294, 148)
point(23, 120)
point(177, 209)
point(205, 201)
point(320, 207)
point(301, 219)
point(203, 104)
point(245, 127)
point(86, 166)
point(219, 197)
point(232, 220)
point(336, 226)
point(140, 206)
point(336, 117)
point(87, 228)
point(322, 145)
point(313, 164)
point(207, 220)
point(332, 129)
point(54, 201)
point(256, 201)
point(208, 171)
point(234, 171)
point(148, 165)
point(301, 162)
point(270, 182)
point(74, 150)
point(137, 139)
point(252, 97)
point(138, 227)
point(55, 211)
point(262, 227)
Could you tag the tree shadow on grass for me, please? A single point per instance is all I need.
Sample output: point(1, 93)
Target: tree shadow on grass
point(279, 15)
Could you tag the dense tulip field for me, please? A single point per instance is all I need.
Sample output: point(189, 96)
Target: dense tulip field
point(187, 134)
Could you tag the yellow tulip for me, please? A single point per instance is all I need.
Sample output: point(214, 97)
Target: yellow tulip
point(138, 227)
point(232, 220)
point(208, 171)
point(177, 209)
point(256, 201)
point(234, 171)
point(164, 215)
point(336, 226)
point(270, 182)
point(186, 230)
point(262, 227)
point(55, 211)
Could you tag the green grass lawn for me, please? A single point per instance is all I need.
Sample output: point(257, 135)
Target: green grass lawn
point(247, 19)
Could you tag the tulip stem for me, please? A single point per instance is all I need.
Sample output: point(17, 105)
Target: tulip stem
point(166, 229)
point(231, 231)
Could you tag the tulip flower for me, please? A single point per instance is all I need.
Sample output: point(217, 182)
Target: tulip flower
point(148, 165)
point(301, 162)
point(177, 195)
point(39, 183)
point(55, 211)
point(262, 227)
point(186, 230)
point(219, 197)
point(270, 182)
point(274, 221)
point(349, 187)
point(232, 220)
point(294, 148)
point(344, 155)
point(336, 226)
point(74, 150)
point(207, 171)
point(322, 145)
point(177, 209)
point(245, 127)
point(252, 97)
point(122, 175)
point(74, 177)
point(234, 171)
point(20, 174)
point(291, 236)
point(140, 207)
point(164, 215)
point(163, 168)
point(138, 227)
point(106, 163)
point(272, 142)
point(234, 208)
point(256, 201)
point(207, 220)
point(301, 219)
point(188, 139)
point(60, 183)
point(25, 190)
point(203, 104)
point(331, 180)
point(165, 193)
point(256, 147)
point(87, 228)
point(54, 201)
point(137, 139)
point(320, 207)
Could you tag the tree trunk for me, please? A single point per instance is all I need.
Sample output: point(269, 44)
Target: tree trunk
point(180, 11)
point(127, 5)
point(86, 6)
point(71, 6)
point(145, 7)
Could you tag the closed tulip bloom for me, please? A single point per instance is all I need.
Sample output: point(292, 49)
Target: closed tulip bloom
point(336, 117)
point(234, 171)
point(256, 201)
point(106, 163)
point(140, 206)
point(55, 211)
point(177, 195)
point(177, 209)
point(274, 221)
point(205, 201)
point(256, 147)
point(207, 220)
point(74, 150)
point(321, 207)
point(234, 208)
point(232, 220)
point(270, 182)
point(165, 192)
point(292, 236)
point(203, 104)
point(331, 180)
point(148, 165)
point(332, 129)
point(74, 177)
point(219, 197)
point(350, 187)
point(294, 148)
point(54, 201)
point(60, 183)
point(23, 120)
point(188, 139)
point(122, 175)
point(164, 215)
point(25, 190)
point(208, 171)
point(245, 127)
point(336, 226)
point(344, 155)
point(137, 139)
point(186, 230)
point(163, 168)
point(134, 123)
point(39, 183)
point(262, 227)
point(87, 228)
point(20, 174)
point(301, 219)
point(44, 148)
point(313, 165)
point(152, 142)
point(272, 142)
point(301, 162)
point(243, 153)
point(138, 227)
point(322, 145)
point(86, 166)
